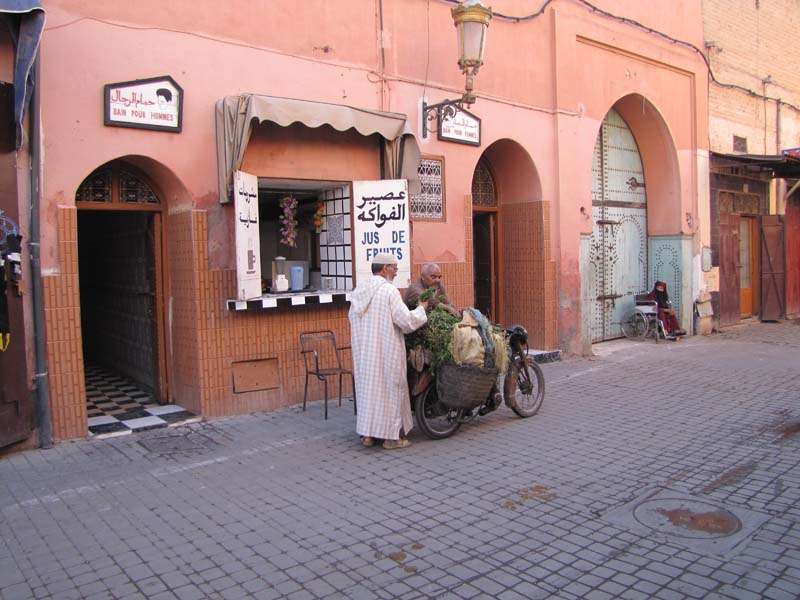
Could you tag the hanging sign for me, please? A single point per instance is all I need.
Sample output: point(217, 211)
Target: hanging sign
point(463, 127)
point(248, 246)
point(155, 103)
point(380, 224)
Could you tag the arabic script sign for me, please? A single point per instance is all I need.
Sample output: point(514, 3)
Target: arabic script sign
point(463, 127)
point(380, 224)
point(248, 246)
point(155, 103)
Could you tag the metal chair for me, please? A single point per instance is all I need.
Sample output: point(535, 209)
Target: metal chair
point(326, 362)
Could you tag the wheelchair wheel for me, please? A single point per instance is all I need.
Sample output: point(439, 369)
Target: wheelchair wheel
point(635, 326)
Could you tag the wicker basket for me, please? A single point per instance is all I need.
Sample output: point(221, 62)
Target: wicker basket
point(464, 386)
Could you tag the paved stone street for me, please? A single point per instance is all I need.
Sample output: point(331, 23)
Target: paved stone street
point(664, 471)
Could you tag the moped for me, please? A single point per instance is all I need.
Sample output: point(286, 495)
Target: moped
point(440, 412)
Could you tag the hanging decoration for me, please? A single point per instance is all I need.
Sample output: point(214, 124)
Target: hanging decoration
point(288, 221)
point(318, 216)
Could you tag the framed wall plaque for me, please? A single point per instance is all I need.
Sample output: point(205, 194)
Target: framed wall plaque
point(155, 103)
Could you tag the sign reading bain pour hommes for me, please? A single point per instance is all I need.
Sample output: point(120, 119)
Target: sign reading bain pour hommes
point(155, 103)
point(380, 224)
point(462, 127)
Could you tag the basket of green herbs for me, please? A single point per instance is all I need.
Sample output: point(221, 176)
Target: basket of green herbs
point(435, 337)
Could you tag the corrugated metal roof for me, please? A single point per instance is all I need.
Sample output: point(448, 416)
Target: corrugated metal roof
point(786, 166)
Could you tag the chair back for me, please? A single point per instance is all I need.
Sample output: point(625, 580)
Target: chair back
point(320, 350)
point(646, 304)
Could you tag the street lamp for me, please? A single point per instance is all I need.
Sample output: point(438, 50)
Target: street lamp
point(471, 19)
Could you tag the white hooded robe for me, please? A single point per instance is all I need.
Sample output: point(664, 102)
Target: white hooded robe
point(378, 320)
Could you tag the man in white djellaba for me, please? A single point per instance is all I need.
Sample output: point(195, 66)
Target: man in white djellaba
point(378, 320)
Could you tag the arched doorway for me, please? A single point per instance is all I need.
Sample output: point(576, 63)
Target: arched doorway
point(514, 271)
point(485, 235)
point(618, 245)
point(121, 280)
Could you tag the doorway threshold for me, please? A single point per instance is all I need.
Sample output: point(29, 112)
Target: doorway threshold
point(116, 405)
point(155, 417)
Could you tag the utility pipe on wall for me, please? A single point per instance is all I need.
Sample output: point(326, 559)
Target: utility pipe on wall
point(41, 380)
point(780, 184)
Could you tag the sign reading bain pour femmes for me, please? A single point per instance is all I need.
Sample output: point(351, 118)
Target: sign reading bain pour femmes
point(155, 103)
point(380, 224)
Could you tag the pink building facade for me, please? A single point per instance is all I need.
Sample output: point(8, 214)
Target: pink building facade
point(589, 182)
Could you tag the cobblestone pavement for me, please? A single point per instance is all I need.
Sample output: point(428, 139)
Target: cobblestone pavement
point(653, 471)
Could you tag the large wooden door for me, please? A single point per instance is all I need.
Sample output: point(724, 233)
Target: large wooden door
point(748, 275)
point(118, 293)
point(17, 409)
point(773, 268)
point(122, 278)
point(485, 247)
point(729, 257)
point(484, 232)
point(618, 248)
point(792, 244)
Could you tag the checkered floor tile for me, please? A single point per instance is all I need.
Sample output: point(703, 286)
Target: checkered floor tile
point(116, 405)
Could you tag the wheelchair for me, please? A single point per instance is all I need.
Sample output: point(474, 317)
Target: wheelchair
point(643, 322)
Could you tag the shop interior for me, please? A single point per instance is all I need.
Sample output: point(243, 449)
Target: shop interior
point(305, 236)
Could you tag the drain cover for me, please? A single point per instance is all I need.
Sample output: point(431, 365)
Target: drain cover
point(700, 524)
point(687, 518)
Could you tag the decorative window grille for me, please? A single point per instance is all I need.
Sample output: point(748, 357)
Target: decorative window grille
point(430, 203)
point(133, 190)
point(483, 191)
point(96, 187)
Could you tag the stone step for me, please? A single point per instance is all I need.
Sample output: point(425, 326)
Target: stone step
point(545, 356)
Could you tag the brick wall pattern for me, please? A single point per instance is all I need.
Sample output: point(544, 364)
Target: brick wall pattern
point(63, 331)
point(749, 44)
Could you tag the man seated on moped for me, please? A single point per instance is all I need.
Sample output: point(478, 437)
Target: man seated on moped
point(430, 277)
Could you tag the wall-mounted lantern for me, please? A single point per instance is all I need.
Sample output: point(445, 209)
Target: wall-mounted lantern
point(471, 19)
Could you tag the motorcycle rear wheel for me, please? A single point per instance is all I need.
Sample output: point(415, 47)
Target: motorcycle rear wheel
point(436, 420)
point(524, 386)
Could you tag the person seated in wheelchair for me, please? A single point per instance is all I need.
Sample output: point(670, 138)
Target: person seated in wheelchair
point(666, 313)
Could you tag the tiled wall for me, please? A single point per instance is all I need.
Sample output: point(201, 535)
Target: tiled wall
point(529, 272)
point(63, 330)
point(187, 259)
point(335, 251)
point(224, 337)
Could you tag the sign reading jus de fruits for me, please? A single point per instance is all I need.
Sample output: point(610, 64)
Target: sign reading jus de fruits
point(155, 103)
point(380, 224)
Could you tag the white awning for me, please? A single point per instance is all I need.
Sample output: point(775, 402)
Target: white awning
point(235, 116)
